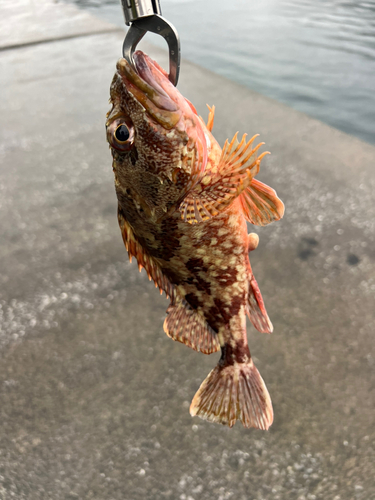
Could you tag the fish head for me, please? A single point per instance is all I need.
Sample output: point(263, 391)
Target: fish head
point(152, 127)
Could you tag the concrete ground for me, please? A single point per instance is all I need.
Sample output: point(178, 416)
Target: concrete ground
point(93, 395)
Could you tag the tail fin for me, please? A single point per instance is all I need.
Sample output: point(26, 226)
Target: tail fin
point(234, 392)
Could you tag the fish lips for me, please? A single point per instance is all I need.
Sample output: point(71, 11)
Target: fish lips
point(150, 85)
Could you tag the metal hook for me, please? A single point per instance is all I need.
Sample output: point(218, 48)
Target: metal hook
point(144, 16)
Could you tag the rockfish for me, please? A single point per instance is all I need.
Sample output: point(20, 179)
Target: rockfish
point(183, 203)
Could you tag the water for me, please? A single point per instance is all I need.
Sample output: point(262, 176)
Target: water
point(314, 55)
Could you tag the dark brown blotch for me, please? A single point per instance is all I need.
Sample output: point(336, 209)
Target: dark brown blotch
point(193, 300)
point(169, 228)
point(239, 352)
point(221, 305)
point(229, 276)
point(195, 264)
point(235, 305)
point(214, 318)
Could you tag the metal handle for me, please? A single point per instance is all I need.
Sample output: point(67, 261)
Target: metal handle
point(160, 26)
point(136, 9)
point(143, 16)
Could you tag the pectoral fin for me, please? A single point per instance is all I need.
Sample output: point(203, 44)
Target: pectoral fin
point(216, 191)
point(260, 204)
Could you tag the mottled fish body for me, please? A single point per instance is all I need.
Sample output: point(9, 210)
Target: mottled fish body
point(183, 203)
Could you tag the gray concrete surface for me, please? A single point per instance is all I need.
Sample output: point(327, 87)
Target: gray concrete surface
point(29, 22)
point(93, 396)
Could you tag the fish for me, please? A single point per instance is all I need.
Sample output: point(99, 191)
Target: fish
point(183, 207)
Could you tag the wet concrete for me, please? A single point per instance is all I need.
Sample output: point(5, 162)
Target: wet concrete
point(93, 396)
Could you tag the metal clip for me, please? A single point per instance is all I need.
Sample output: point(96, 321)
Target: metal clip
point(144, 16)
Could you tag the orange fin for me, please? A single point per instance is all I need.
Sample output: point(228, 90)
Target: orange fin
point(260, 204)
point(234, 392)
point(151, 266)
point(186, 325)
point(252, 241)
point(256, 311)
point(216, 191)
point(211, 116)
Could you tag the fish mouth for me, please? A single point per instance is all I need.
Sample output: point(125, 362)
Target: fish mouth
point(150, 85)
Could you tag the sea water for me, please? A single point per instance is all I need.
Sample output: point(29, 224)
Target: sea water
point(317, 56)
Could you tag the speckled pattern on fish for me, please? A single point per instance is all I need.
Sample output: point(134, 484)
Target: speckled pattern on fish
point(183, 203)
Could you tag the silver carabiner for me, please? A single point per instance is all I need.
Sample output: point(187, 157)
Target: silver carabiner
point(144, 16)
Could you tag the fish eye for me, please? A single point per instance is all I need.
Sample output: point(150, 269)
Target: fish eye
point(120, 134)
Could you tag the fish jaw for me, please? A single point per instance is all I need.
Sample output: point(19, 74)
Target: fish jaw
point(157, 109)
point(147, 90)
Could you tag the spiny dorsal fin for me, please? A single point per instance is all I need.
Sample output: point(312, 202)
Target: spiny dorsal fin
point(216, 191)
point(187, 326)
point(211, 116)
point(260, 204)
